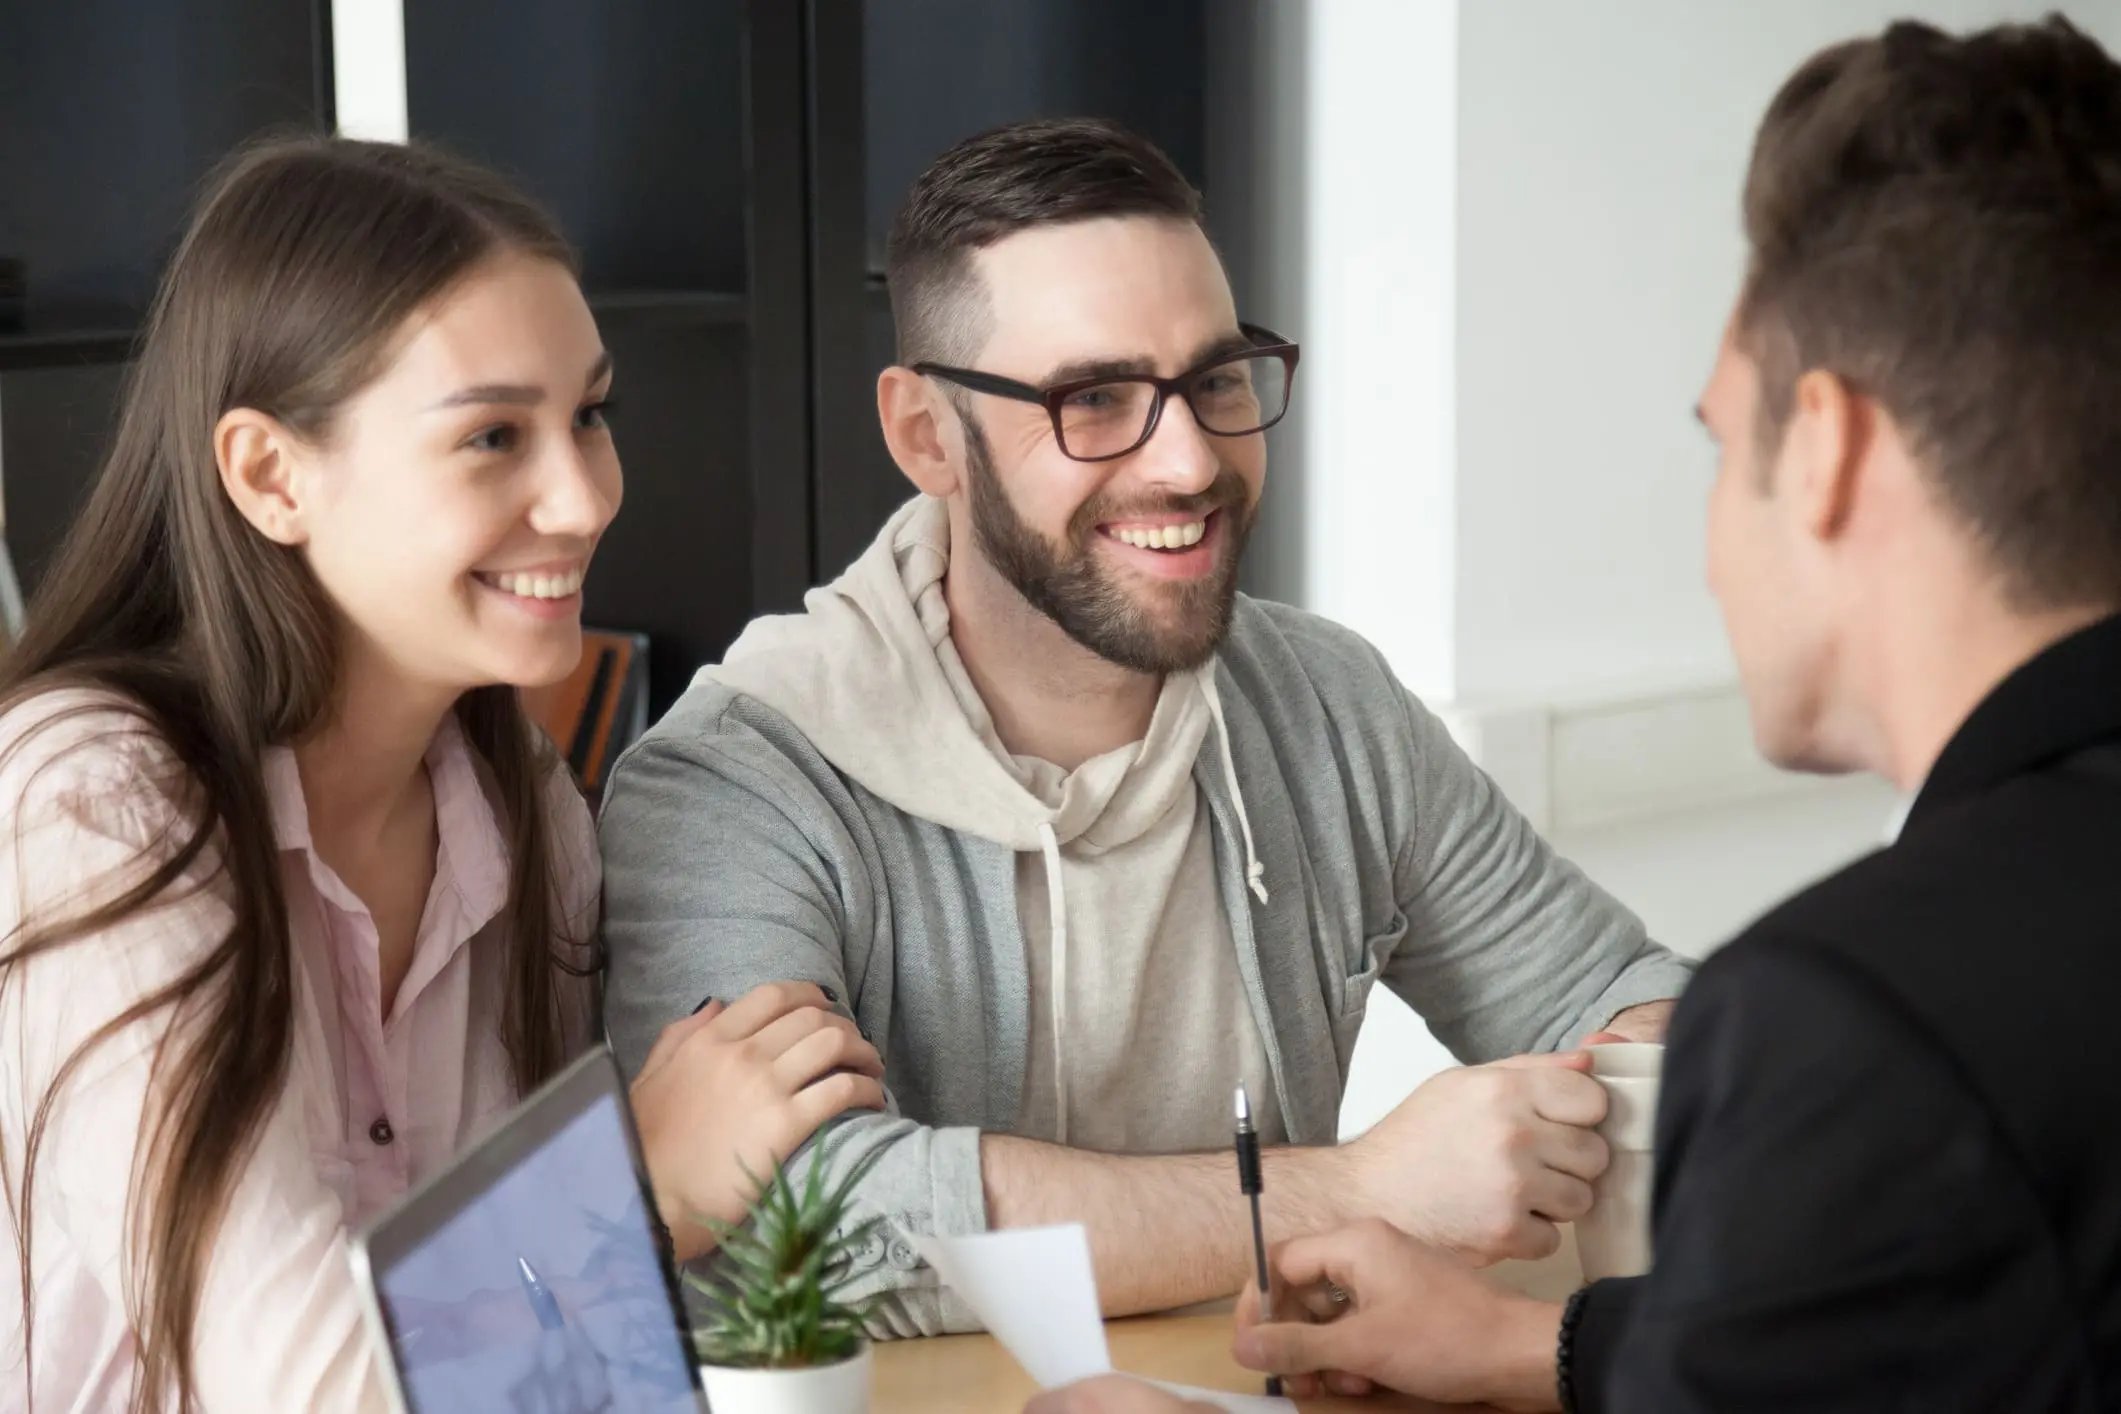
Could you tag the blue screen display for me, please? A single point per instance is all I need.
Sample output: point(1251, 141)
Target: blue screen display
point(545, 1295)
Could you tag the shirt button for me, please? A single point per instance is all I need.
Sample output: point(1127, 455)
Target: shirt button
point(380, 1132)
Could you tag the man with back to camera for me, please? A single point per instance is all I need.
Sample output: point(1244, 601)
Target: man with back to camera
point(1888, 1168)
point(1080, 835)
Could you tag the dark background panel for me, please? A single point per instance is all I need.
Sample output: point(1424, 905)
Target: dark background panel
point(628, 120)
point(727, 167)
point(676, 563)
point(858, 496)
point(110, 113)
point(55, 427)
point(624, 117)
point(938, 71)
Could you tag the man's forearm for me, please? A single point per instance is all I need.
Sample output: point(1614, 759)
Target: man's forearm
point(1646, 1022)
point(1164, 1231)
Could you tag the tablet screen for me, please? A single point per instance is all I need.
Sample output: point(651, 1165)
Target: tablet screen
point(544, 1292)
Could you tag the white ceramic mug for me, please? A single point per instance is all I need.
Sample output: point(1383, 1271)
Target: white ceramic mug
point(1613, 1239)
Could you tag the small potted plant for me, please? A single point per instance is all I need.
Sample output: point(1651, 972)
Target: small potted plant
point(779, 1335)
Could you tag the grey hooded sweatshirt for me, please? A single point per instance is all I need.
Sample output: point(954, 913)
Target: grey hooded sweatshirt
point(1095, 956)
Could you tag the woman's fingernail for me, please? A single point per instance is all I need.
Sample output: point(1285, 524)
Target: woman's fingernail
point(705, 1002)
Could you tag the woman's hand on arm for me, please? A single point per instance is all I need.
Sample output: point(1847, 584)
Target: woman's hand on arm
point(741, 1087)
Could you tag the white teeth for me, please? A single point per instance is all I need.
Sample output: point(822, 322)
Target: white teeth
point(537, 586)
point(1163, 537)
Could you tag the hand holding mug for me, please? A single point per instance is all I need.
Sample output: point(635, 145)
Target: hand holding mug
point(1487, 1159)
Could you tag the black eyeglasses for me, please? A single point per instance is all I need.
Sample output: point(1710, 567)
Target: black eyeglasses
point(1233, 394)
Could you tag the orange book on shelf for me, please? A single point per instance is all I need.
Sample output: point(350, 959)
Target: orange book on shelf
point(599, 709)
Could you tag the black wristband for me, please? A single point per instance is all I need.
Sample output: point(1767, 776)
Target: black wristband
point(1565, 1350)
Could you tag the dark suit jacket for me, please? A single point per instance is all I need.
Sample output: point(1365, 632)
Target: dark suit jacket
point(1889, 1143)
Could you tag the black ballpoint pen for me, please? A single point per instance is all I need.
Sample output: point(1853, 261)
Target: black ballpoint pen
point(1249, 1182)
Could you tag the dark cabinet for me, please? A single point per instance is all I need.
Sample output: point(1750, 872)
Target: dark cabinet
point(111, 112)
point(931, 73)
point(728, 169)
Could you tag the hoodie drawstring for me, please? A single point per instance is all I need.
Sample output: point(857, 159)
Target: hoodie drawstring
point(1057, 902)
point(1057, 924)
point(1255, 872)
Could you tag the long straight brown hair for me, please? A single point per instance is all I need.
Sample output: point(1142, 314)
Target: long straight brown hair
point(302, 262)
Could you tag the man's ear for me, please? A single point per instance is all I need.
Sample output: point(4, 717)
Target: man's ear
point(261, 473)
point(1832, 427)
point(912, 414)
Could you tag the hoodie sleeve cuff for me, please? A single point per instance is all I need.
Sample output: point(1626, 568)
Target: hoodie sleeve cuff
point(959, 1194)
point(1656, 979)
point(948, 1199)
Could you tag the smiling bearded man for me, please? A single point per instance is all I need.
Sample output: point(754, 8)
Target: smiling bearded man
point(1080, 836)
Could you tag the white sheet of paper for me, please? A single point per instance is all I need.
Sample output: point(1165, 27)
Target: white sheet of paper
point(1033, 1288)
point(1222, 1399)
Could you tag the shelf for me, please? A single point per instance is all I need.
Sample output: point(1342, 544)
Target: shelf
point(684, 309)
point(22, 349)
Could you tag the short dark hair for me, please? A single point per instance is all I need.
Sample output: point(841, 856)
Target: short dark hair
point(1003, 181)
point(1937, 220)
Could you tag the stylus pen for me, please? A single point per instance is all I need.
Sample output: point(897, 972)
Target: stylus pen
point(1250, 1184)
point(540, 1297)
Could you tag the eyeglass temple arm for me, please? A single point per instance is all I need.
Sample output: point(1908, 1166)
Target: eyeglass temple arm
point(980, 382)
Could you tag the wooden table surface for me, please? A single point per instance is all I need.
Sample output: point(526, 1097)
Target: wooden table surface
point(973, 1374)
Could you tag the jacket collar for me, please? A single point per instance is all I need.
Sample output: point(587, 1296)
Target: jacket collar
point(2065, 698)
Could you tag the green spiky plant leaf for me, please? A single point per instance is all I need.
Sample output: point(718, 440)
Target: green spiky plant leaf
point(775, 1299)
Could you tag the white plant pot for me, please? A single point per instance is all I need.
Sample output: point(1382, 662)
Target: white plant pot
point(825, 1389)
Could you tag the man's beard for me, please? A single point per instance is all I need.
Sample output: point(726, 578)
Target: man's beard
point(1086, 597)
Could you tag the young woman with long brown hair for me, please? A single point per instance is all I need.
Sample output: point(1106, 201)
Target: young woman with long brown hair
point(293, 899)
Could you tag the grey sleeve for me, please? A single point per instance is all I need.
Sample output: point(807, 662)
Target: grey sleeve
point(1508, 946)
point(726, 867)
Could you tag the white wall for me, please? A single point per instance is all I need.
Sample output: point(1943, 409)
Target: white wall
point(1517, 244)
point(1600, 152)
point(1696, 878)
point(1324, 100)
point(368, 69)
